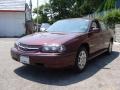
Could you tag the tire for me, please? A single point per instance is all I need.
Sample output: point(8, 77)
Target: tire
point(109, 51)
point(81, 59)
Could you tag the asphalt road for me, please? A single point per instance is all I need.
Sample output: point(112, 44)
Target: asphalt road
point(102, 73)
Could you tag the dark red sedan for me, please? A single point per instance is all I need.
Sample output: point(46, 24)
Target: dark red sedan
point(69, 42)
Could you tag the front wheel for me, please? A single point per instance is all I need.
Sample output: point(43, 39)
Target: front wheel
point(81, 59)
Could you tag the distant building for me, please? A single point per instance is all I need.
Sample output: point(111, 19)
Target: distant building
point(13, 16)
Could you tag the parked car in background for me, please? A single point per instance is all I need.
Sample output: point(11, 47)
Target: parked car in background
point(44, 26)
point(37, 26)
point(41, 27)
point(69, 42)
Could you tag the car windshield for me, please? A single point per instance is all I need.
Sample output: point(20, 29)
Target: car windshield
point(73, 25)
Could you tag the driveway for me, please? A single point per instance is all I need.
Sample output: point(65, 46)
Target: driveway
point(102, 73)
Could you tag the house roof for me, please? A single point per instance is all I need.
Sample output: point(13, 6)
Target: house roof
point(12, 5)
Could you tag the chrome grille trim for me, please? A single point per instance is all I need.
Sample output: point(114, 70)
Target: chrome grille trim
point(25, 47)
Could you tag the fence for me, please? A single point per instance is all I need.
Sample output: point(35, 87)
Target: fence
point(117, 33)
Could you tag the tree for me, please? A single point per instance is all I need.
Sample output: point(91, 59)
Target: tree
point(41, 19)
point(61, 9)
point(74, 8)
point(112, 17)
point(89, 7)
point(107, 5)
point(43, 12)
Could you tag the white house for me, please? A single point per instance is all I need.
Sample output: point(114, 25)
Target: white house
point(13, 16)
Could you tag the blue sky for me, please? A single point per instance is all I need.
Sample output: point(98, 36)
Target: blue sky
point(34, 2)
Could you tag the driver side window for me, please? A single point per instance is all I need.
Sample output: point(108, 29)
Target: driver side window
point(94, 25)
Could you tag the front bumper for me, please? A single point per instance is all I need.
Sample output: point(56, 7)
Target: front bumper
point(49, 60)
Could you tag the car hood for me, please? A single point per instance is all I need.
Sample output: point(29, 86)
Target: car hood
point(48, 38)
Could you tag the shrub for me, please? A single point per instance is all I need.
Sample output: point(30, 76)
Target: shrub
point(112, 17)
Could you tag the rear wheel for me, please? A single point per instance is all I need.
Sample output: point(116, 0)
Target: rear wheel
point(109, 51)
point(81, 59)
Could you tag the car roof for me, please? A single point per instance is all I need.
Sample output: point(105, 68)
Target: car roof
point(90, 19)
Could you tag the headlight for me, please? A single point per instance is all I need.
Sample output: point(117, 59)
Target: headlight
point(16, 44)
point(54, 48)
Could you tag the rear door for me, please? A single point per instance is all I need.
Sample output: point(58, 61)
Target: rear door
point(105, 34)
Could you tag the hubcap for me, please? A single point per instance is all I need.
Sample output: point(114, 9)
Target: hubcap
point(82, 58)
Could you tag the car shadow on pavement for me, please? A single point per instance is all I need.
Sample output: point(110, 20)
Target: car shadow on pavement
point(66, 76)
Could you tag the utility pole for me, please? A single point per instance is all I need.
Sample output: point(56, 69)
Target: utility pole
point(30, 3)
point(37, 15)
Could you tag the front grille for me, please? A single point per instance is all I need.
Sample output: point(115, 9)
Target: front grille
point(25, 47)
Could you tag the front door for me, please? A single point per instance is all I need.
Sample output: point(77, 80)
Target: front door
point(95, 38)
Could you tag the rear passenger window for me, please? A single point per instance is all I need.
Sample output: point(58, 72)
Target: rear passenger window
point(103, 26)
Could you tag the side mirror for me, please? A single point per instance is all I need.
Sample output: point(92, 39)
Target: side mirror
point(95, 30)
